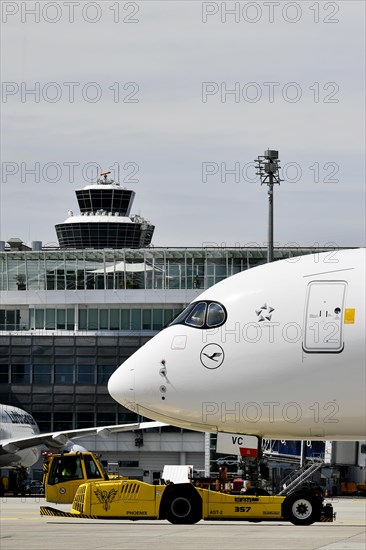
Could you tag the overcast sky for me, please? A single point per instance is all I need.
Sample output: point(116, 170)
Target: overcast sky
point(144, 88)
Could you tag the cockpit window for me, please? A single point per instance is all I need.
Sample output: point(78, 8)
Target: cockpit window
point(204, 314)
point(179, 319)
point(215, 315)
point(197, 317)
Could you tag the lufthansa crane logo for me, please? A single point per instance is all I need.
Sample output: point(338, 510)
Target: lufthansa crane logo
point(212, 356)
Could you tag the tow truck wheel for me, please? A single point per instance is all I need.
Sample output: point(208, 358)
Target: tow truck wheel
point(183, 506)
point(302, 508)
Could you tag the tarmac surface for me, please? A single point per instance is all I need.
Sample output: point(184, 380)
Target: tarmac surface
point(22, 528)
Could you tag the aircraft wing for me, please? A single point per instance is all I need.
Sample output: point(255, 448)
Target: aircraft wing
point(59, 439)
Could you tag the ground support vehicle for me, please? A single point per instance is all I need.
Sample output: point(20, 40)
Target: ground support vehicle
point(183, 503)
point(64, 473)
point(80, 479)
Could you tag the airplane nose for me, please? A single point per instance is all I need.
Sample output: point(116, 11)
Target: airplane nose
point(121, 385)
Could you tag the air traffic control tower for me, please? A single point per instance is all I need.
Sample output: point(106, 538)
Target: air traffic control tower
point(104, 220)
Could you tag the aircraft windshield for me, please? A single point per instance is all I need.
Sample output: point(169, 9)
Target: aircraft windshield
point(203, 315)
point(197, 317)
point(216, 315)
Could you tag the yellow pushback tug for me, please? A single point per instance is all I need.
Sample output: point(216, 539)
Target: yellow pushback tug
point(80, 478)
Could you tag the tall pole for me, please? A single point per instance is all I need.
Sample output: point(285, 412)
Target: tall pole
point(270, 220)
point(268, 169)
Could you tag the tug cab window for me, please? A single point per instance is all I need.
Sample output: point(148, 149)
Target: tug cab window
point(91, 469)
point(65, 469)
point(203, 315)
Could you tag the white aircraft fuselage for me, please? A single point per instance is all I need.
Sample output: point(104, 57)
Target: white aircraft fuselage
point(277, 351)
point(16, 423)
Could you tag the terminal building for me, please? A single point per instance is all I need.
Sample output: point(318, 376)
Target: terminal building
point(69, 316)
